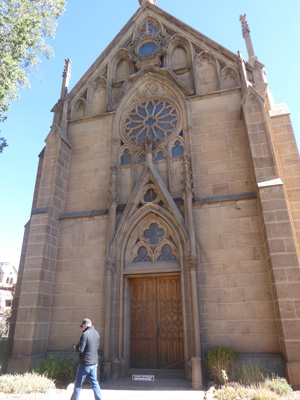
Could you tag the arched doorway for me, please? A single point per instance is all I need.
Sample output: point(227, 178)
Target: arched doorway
point(156, 323)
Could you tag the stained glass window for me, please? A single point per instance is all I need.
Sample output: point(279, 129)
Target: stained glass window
point(154, 234)
point(150, 195)
point(177, 150)
point(149, 27)
point(154, 244)
point(141, 159)
point(126, 158)
point(152, 119)
point(147, 48)
point(166, 253)
point(159, 156)
point(142, 255)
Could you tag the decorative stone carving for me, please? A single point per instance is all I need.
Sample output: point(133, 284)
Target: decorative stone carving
point(110, 267)
point(229, 79)
point(79, 109)
point(153, 244)
point(152, 88)
point(142, 2)
point(245, 26)
point(148, 45)
point(207, 76)
point(192, 263)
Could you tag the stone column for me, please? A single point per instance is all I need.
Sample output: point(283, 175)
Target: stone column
point(34, 306)
point(192, 263)
point(279, 235)
point(110, 269)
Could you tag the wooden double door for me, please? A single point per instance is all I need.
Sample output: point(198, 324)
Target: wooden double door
point(156, 324)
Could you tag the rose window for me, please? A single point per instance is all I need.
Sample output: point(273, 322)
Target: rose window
point(153, 120)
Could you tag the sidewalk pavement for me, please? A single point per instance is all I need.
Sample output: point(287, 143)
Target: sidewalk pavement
point(126, 389)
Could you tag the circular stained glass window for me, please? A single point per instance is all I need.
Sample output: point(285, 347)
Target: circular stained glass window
point(147, 49)
point(153, 119)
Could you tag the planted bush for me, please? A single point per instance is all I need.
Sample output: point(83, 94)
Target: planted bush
point(250, 373)
point(221, 359)
point(59, 368)
point(279, 386)
point(27, 383)
point(4, 355)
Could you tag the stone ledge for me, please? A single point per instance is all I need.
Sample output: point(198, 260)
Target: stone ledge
point(226, 197)
point(42, 210)
point(279, 109)
point(82, 214)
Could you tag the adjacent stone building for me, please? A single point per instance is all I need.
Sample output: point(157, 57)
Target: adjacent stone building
point(8, 279)
point(166, 209)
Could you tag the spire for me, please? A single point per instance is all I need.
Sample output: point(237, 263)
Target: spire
point(142, 2)
point(247, 37)
point(66, 78)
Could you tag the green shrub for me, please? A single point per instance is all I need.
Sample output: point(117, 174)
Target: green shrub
point(59, 368)
point(279, 386)
point(221, 359)
point(250, 373)
point(27, 383)
point(4, 355)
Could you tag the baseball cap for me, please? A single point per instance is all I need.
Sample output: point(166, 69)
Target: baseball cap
point(86, 321)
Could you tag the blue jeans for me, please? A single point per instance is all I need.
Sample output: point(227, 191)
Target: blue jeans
point(89, 371)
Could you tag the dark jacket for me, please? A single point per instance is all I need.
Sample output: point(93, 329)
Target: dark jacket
point(88, 346)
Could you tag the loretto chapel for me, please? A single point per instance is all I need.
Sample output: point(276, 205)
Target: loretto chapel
point(166, 209)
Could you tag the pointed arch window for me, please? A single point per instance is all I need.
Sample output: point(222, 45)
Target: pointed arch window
point(177, 149)
point(126, 157)
point(166, 253)
point(159, 156)
point(149, 27)
point(142, 255)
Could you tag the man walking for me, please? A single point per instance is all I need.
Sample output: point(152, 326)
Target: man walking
point(88, 359)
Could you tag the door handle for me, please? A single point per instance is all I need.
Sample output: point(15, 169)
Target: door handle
point(158, 330)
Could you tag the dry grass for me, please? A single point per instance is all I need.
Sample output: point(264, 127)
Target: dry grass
point(27, 383)
point(271, 389)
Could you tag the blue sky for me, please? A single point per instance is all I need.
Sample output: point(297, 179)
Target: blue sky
point(84, 31)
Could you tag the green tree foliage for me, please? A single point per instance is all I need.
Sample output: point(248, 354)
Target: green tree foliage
point(25, 26)
point(2, 144)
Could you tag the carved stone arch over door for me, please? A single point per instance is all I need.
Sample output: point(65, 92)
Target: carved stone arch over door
point(153, 277)
point(152, 247)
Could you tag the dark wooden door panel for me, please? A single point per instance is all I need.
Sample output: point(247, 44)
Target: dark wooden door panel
point(143, 338)
point(169, 310)
point(156, 327)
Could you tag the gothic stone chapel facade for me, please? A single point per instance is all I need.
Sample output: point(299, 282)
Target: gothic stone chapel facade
point(166, 209)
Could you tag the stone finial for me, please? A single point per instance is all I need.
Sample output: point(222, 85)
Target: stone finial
point(245, 26)
point(66, 77)
point(142, 2)
point(247, 37)
point(67, 69)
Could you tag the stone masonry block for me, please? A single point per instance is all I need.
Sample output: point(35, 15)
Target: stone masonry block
point(245, 343)
point(291, 329)
point(235, 311)
point(263, 310)
point(238, 327)
point(268, 343)
point(285, 261)
point(232, 295)
point(264, 327)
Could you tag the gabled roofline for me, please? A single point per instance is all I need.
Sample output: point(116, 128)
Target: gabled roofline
point(122, 34)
